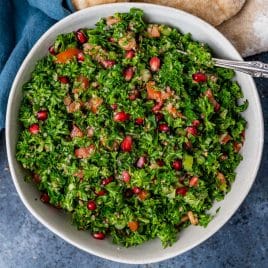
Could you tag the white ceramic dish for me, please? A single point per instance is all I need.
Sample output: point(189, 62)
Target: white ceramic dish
point(151, 251)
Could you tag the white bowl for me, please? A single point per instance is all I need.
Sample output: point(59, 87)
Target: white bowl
point(152, 251)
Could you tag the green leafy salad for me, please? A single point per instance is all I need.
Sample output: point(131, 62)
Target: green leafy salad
point(134, 139)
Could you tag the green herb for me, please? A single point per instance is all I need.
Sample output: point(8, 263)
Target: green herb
point(132, 138)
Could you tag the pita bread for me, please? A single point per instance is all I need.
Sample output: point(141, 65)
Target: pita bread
point(80, 4)
point(212, 11)
point(248, 30)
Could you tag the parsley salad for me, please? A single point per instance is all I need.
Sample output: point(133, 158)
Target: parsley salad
point(132, 138)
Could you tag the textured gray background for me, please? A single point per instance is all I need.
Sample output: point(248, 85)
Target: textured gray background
point(242, 242)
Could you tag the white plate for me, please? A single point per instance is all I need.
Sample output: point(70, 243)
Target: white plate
point(151, 251)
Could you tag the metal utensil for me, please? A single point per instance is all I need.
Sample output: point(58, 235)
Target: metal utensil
point(253, 68)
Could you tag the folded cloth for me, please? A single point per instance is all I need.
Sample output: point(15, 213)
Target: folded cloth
point(22, 22)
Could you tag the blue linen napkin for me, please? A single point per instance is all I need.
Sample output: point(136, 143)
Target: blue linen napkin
point(22, 22)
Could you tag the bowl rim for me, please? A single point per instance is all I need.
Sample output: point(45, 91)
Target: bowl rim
point(11, 159)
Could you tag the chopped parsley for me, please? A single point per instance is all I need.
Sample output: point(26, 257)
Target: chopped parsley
point(131, 137)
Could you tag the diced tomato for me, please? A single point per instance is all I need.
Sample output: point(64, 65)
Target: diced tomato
point(67, 55)
point(153, 31)
point(94, 104)
point(76, 132)
point(152, 93)
point(221, 178)
point(133, 226)
point(237, 146)
point(224, 138)
point(84, 81)
point(142, 195)
point(84, 152)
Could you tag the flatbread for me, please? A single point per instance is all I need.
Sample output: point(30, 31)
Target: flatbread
point(213, 11)
point(248, 30)
point(80, 4)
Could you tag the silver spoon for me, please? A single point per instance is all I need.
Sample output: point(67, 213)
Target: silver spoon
point(253, 68)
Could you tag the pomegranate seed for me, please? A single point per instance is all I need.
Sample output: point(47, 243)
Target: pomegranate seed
point(191, 130)
point(126, 145)
point(199, 77)
point(51, 50)
point(196, 123)
point(34, 129)
point(100, 193)
point(80, 56)
point(157, 107)
point(108, 63)
point(217, 107)
point(125, 176)
point(121, 116)
point(99, 236)
point(114, 106)
point(139, 121)
point(81, 37)
point(130, 54)
point(159, 117)
point(63, 79)
point(187, 145)
point(181, 191)
point(44, 198)
point(154, 64)
point(128, 73)
point(91, 205)
point(42, 115)
point(160, 162)
point(111, 40)
point(136, 190)
point(177, 165)
point(107, 180)
point(193, 181)
point(141, 162)
point(163, 128)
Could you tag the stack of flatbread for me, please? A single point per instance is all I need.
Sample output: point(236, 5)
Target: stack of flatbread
point(243, 22)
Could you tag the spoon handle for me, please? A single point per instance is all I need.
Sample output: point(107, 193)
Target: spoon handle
point(253, 68)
